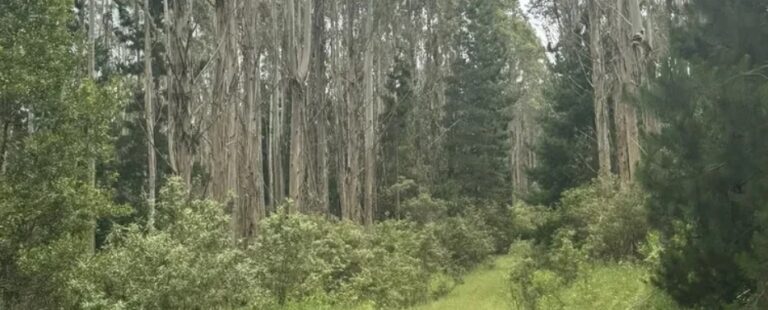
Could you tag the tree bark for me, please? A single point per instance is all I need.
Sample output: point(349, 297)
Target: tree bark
point(299, 47)
point(251, 180)
point(369, 151)
point(149, 116)
point(602, 126)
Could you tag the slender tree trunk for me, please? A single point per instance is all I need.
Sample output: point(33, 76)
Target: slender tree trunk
point(91, 237)
point(319, 117)
point(299, 47)
point(276, 114)
point(252, 181)
point(350, 167)
point(149, 116)
point(4, 146)
point(169, 62)
point(602, 127)
point(224, 135)
point(184, 135)
point(369, 124)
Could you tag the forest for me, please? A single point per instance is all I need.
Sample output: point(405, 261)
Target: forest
point(391, 154)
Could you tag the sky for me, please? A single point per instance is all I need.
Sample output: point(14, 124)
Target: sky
point(537, 24)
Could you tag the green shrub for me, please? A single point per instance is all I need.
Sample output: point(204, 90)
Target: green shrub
point(623, 286)
point(467, 241)
point(300, 256)
point(498, 222)
point(532, 222)
point(565, 257)
point(424, 209)
point(190, 263)
point(608, 220)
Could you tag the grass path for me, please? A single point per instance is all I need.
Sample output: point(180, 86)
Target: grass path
point(484, 289)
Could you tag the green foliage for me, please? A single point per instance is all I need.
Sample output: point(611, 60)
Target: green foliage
point(189, 262)
point(424, 209)
point(532, 222)
point(609, 221)
point(53, 124)
point(545, 281)
point(467, 241)
point(622, 286)
point(498, 220)
point(566, 150)
point(475, 141)
point(526, 291)
point(704, 170)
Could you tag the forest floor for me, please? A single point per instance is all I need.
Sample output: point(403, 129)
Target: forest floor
point(485, 288)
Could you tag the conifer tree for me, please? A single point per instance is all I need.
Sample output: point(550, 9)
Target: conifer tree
point(475, 139)
point(705, 170)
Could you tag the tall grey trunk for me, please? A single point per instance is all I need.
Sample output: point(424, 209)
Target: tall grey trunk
point(149, 116)
point(602, 125)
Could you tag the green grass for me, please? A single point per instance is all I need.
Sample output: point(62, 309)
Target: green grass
point(605, 287)
point(483, 289)
point(608, 287)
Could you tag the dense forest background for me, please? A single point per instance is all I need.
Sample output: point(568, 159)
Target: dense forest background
point(345, 154)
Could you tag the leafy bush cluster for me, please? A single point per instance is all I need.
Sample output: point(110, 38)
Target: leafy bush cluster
point(595, 227)
point(189, 261)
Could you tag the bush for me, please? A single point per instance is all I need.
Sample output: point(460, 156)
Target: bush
point(424, 209)
point(533, 222)
point(610, 222)
point(622, 286)
point(302, 258)
point(190, 263)
point(498, 222)
point(467, 241)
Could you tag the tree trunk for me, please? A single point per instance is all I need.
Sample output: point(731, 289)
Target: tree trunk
point(299, 47)
point(319, 115)
point(91, 233)
point(224, 135)
point(149, 116)
point(369, 124)
point(602, 127)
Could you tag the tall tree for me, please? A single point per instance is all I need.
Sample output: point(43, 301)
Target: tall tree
point(149, 117)
point(704, 168)
point(475, 141)
point(47, 193)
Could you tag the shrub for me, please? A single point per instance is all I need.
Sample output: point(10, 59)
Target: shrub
point(424, 209)
point(622, 286)
point(303, 258)
point(467, 241)
point(529, 280)
point(300, 256)
point(420, 242)
point(609, 221)
point(532, 222)
point(190, 263)
point(499, 224)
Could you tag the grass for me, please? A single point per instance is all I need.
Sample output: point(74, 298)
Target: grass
point(617, 286)
point(483, 289)
point(609, 287)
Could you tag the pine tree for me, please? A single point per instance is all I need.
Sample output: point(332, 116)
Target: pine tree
point(566, 150)
point(475, 141)
point(705, 170)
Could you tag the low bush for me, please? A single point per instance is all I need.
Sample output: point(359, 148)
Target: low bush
point(467, 241)
point(190, 263)
point(613, 286)
point(609, 221)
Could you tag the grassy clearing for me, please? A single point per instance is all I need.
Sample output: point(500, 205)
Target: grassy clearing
point(610, 287)
point(483, 289)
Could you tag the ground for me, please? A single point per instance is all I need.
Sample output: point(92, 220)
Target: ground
point(484, 289)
